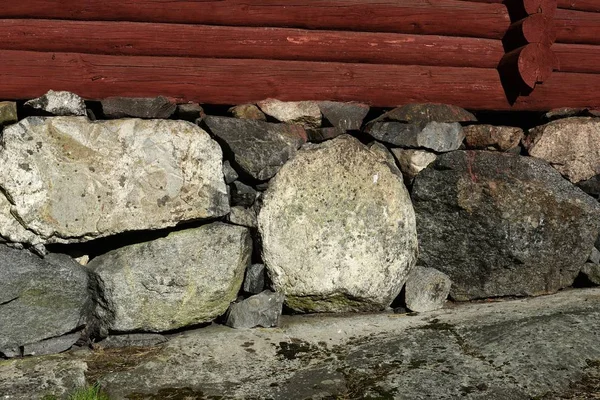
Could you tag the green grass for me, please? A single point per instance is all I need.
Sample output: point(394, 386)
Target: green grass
point(85, 393)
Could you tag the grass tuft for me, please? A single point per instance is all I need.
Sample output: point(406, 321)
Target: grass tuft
point(89, 393)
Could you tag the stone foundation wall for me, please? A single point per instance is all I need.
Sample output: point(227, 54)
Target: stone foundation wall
point(131, 216)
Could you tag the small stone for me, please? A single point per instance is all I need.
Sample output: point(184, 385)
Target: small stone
point(323, 134)
point(436, 136)
point(189, 112)
point(229, 173)
point(594, 256)
point(254, 282)
point(242, 194)
point(11, 352)
point(570, 145)
point(8, 112)
point(263, 310)
point(248, 111)
point(566, 112)
point(243, 216)
point(592, 272)
point(413, 161)
point(59, 103)
point(260, 148)
point(490, 137)
point(422, 114)
point(148, 108)
point(83, 260)
point(51, 346)
point(344, 116)
point(426, 289)
point(132, 340)
point(305, 113)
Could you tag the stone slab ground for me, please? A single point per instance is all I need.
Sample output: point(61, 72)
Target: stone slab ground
point(540, 348)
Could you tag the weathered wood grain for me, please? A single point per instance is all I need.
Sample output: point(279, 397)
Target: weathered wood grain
point(582, 58)
point(577, 27)
point(532, 64)
point(179, 40)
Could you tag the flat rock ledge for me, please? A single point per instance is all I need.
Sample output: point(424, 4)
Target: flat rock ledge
point(544, 348)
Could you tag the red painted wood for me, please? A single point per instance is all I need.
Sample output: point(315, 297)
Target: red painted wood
point(536, 28)
point(532, 63)
point(440, 17)
point(230, 81)
point(578, 58)
point(582, 5)
point(519, 9)
point(142, 39)
point(577, 27)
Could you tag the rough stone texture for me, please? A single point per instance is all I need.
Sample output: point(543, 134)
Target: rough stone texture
point(594, 256)
point(36, 378)
point(132, 340)
point(59, 103)
point(323, 134)
point(242, 194)
point(383, 152)
point(186, 278)
point(229, 173)
point(260, 148)
point(591, 186)
point(51, 346)
point(305, 113)
point(571, 145)
point(243, 216)
point(263, 310)
point(436, 136)
point(66, 179)
point(344, 116)
point(428, 112)
point(566, 112)
point(413, 161)
point(592, 272)
point(490, 137)
point(248, 111)
point(138, 107)
point(40, 298)
point(8, 113)
point(542, 348)
point(426, 289)
point(254, 282)
point(189, 112)
point(500, 224)
point(338, 229)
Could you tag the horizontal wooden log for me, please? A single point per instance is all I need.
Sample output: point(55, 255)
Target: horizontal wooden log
point(577, 27)
point(442, 17)
point(519, 9)
point(583, 58)
point(535, 28)
point(232, 81)
point(581, 5)
point(177, 40)
point(532, 64)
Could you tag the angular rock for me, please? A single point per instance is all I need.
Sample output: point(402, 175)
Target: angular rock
point(186, 278)
point(344, 116)
point(40, 298)
point(189, 112)
point(229, 173)
point(502, 225)
point(254, 282)
point(591, 186)
point(138, 107)
point(41, 378)
point(490, 137)
point(59, 103)
point(260, 148)
point(413, 161)
point(248, 111)
point(51, 346)
point(428, 112)
point(566, 112)
point(338, 229)
point(426, 289)
point(571, 145)
point(242, 194)
point(592, 272)
point(305, 113)
point(594, 256)
point(132, 340)
point(323, 134)
point(8, 113)
point(436, 136)
point(66, 179)
point(243, 216)
point(263, 309)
